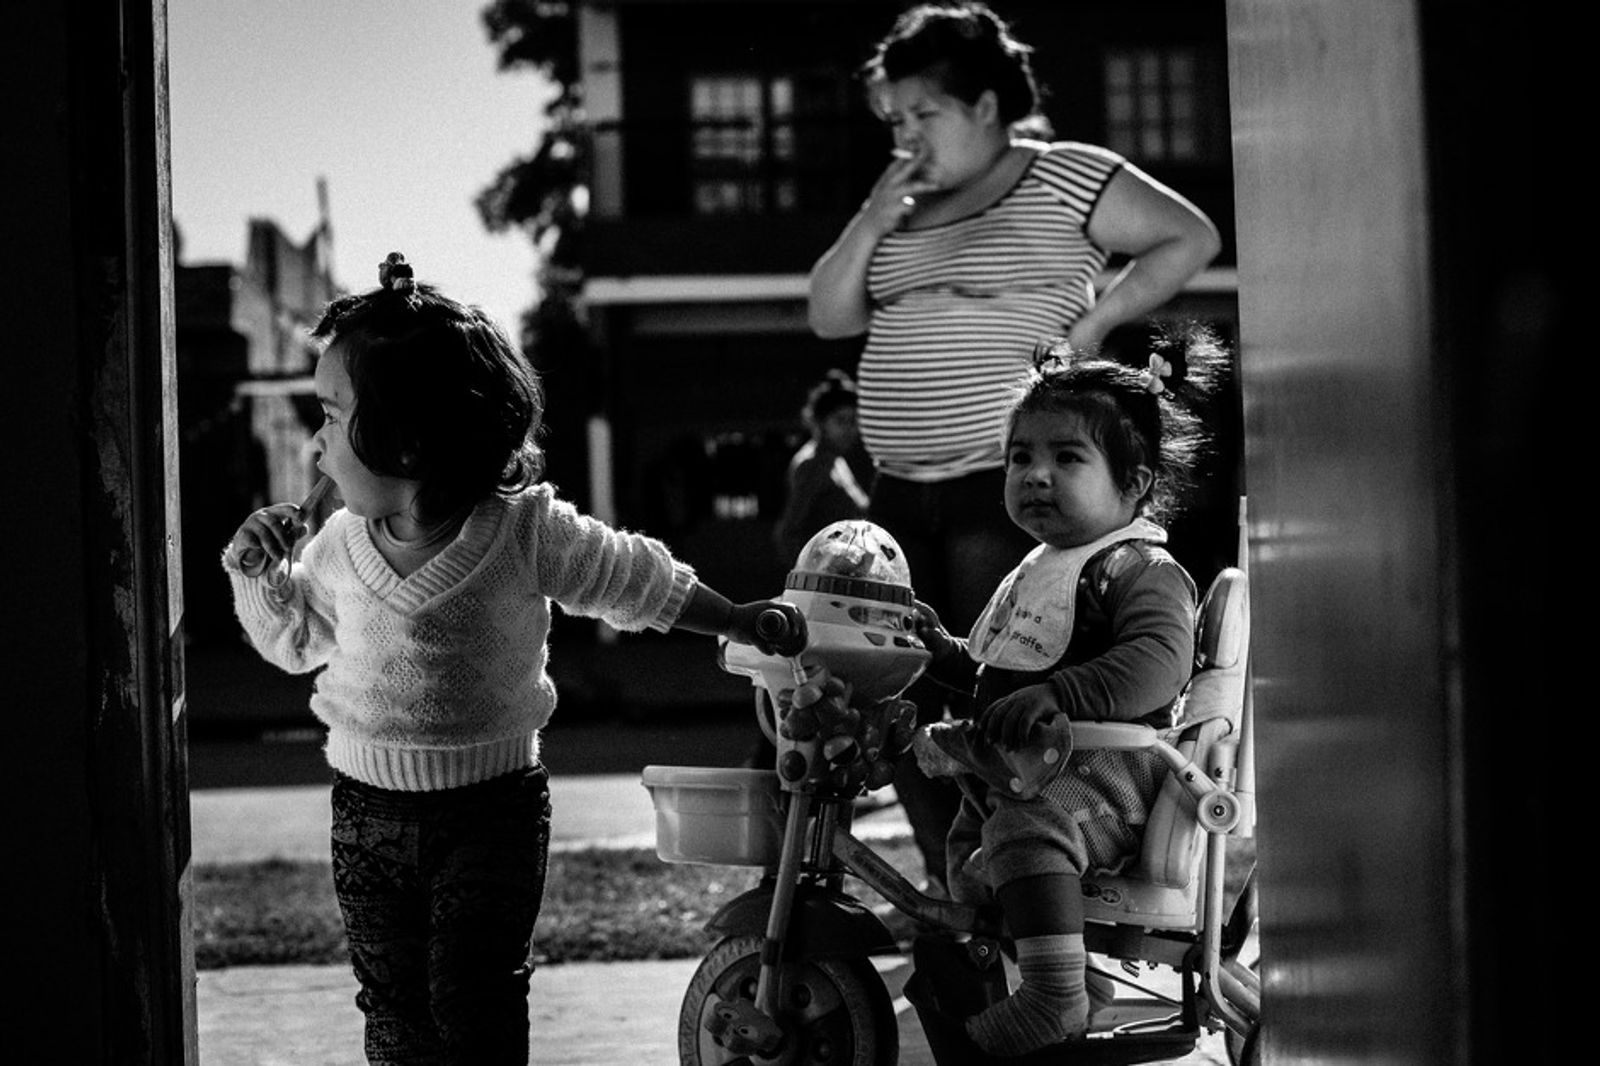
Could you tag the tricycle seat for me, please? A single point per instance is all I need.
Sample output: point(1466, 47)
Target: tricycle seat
point(1161, 889)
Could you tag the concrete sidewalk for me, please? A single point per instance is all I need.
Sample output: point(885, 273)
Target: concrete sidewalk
point(608, 1014)
point(605, 1014)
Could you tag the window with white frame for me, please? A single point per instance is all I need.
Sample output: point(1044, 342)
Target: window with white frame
point(742, 144)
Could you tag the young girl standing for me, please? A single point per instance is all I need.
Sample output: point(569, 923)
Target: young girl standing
point(1096, 623)
point(425, 604)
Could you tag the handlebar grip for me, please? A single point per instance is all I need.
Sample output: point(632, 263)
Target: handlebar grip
point(773, 626)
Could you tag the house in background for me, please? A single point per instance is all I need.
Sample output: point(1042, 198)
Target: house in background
point(731, 144)
point(246, 406)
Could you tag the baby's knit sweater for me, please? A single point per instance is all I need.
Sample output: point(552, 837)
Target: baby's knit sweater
point(438, 680)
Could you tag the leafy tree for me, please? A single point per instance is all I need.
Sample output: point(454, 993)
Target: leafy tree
point(545, 194)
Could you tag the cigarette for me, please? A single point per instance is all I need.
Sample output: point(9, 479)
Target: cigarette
point(902, 153)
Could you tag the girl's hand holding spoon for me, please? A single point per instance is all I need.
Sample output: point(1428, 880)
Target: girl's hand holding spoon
point(267, 538)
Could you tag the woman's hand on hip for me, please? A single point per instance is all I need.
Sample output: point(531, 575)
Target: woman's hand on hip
point(1086, 334)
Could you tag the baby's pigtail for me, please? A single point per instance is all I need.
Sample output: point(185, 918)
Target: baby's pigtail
point(1187, 362)
point(1187, 366)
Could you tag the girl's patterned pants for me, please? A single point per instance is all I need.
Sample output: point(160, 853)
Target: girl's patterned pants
point(439, 892)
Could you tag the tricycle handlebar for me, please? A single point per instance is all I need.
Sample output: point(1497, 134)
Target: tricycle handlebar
point(778, 629)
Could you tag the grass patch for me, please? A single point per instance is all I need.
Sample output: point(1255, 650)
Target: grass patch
point(266, 913)
point(599, 905)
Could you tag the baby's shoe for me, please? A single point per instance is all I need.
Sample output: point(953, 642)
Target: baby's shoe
point(932, 759)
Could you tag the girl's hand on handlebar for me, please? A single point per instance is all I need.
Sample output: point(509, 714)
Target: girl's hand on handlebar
point(1011, 720)
point(772, 627)
point(265, 537)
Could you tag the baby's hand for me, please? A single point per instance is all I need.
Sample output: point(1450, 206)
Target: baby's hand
point(932, 633)
point(1011, 720)
point(267, 536)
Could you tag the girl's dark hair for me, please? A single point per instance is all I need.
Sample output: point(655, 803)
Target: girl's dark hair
point(966, 48)
point(1132, 425)
point(834, 391)
point(441, 394)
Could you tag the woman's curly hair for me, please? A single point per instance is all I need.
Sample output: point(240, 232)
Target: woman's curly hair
point(967, 49)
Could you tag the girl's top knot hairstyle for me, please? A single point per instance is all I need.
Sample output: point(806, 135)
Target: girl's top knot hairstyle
point(966, 49)
point(1150, 416)
point(442, 396)
point(396, 275)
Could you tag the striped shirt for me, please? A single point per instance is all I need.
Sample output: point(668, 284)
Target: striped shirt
point(957, 309)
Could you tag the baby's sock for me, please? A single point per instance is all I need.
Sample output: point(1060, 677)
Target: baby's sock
point(1101, 988)
point(1049, 1006)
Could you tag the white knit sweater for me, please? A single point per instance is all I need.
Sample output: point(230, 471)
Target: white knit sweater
point(438, 680)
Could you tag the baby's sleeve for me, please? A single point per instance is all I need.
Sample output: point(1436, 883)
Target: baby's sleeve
point(1151, 656)
point(957, 671)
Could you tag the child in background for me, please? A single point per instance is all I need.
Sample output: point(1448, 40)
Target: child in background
point(823, 487)
point(425, 604)
point(1097, 624)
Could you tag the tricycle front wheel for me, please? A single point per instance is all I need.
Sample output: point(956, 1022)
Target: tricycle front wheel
point(831, 1010)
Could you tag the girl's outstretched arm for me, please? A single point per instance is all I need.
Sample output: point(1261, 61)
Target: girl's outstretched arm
point(709, 611)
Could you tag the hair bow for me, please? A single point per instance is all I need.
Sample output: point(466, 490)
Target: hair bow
point(1151, 379)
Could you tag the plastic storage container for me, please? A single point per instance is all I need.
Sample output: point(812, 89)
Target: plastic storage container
point(716, 816)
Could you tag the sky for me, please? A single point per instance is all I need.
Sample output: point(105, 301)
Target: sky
point(397, 103)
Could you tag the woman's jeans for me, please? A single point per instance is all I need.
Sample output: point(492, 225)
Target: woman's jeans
point(959, 543)
point(439, 892)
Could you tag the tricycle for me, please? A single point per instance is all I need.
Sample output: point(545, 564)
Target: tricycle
point(790, 977)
